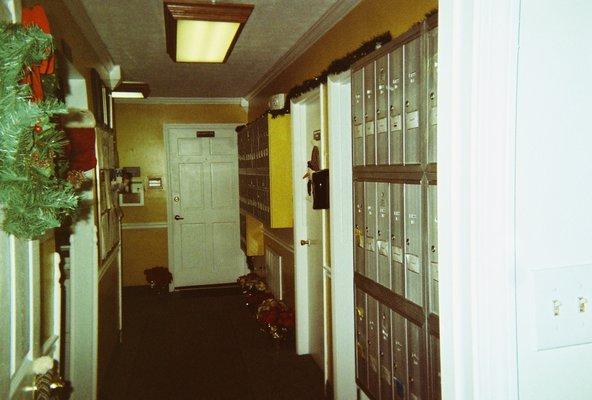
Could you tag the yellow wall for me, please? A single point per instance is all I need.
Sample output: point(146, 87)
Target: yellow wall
point(140, 143)
point(369, 19)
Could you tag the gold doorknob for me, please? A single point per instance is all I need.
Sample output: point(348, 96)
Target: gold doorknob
point(304, 242)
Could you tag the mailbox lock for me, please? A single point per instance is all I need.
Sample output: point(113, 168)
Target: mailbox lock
point(382, 353)
point(433, 249)
point(432, 96)
point(407, 241)
point(407, 103)
point(378, 111)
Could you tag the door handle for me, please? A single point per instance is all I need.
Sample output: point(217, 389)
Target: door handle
point(178, 217)
point(304, 242)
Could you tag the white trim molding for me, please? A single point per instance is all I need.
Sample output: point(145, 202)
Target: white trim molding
point(144, 225)
point(342, 247)
point(327, 21)
point(478, 58)
point(187, 100)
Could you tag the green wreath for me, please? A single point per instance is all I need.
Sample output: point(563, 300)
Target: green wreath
point(34, 195)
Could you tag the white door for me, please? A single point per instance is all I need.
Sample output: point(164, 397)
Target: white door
point(203, 218)
point(310, 234)
point(30, 305)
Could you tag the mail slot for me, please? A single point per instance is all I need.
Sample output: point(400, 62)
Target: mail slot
point(361, 341)
point(432, 41)
point(399, 355)
point(413, 244)
point(383, 233)
point(359, 227)
point(373, 355)
point(396, 111)
point(370, 230)
point(397, 239)
point(385, 348)
point(369, 118)
point(358, 117)
point(382, 131)
point(413, 81)
point(415, 361)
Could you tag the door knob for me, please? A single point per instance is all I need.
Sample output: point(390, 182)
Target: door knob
point(304, 242)
point(178, 217)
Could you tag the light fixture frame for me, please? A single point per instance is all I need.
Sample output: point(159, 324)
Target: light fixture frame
point(132, 87)
point(175, 10)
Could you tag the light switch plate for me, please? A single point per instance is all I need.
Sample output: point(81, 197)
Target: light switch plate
point(559, 321)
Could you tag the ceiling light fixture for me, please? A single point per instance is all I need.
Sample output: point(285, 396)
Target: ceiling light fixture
point(131, 90)
point(203, 32)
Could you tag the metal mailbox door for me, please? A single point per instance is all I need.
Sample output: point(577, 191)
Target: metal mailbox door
point(382, 234)
point(358, 117)
point(385, 348)
point(397, 239)
point(361, 341)
point(432, 39)
point(415, 361)
point(359, 227)
point(399, 354)
point(433, 245)
point(436, 385)
point(396, 106)
point(373, 327)
point(370, 230)
point(413, 245)
point(382, 131)
point(412, 92)
point(369, 110)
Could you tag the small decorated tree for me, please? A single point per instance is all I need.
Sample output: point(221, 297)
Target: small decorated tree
point(34, 195)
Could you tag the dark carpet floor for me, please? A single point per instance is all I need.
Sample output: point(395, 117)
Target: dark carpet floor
point(203, 345)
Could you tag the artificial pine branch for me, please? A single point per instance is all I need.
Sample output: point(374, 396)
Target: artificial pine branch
point(34, 196)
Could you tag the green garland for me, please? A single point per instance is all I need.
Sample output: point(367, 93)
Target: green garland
point(335, 67)
point(33, 194)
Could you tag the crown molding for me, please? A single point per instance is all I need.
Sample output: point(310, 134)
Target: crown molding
point(327, 21)
point(186, 100)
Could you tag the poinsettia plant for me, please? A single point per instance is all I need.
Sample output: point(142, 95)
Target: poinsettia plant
point(158, 277)
point(276, 318)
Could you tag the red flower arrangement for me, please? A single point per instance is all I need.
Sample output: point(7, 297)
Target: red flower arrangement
point(276, 317)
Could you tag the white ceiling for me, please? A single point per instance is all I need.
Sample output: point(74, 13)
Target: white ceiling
point(133, 32)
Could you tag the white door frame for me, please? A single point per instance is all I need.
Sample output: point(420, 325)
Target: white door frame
point(165, 128)
point(340, 172)
point(478, 57)
point(299, 158)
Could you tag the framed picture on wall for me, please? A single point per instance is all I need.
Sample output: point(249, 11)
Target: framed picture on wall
point(105, 105)
point(111, 112)
point(97, 93)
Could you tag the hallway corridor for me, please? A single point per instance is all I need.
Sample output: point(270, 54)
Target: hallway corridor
point(202, 345)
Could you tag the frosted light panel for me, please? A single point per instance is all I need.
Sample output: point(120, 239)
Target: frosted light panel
point(127, 95)
point(204, 41)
